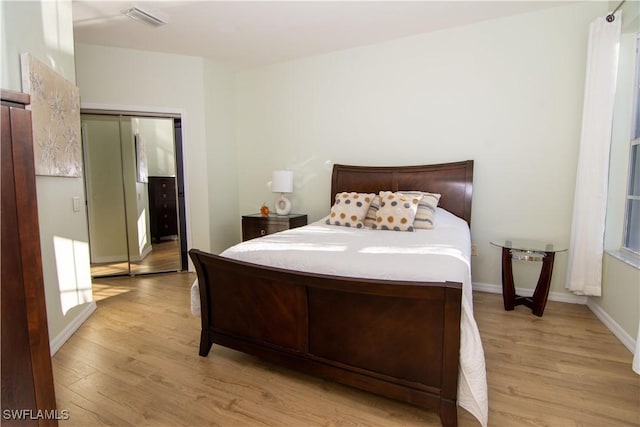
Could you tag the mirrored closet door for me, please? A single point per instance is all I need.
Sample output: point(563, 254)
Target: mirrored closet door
point(133, 194)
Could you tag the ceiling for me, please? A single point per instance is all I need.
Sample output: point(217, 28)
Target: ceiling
point(254, 33)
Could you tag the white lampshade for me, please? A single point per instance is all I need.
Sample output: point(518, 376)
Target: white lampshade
point(282, 182)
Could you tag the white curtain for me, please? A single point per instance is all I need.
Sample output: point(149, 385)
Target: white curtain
point(584, 272)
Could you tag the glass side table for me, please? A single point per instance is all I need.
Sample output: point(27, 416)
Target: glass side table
point(527, 250)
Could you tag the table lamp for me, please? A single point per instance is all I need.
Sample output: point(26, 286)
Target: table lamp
point(282, 182)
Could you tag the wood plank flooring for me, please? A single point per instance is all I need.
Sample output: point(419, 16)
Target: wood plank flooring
point(164, 257)
point(135, 363)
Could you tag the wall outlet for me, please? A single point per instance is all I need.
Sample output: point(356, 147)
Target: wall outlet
point(474, 249)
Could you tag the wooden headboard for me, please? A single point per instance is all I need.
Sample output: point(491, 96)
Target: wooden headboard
point(454, 181)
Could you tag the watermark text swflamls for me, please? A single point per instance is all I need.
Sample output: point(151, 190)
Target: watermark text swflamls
point(32, 414)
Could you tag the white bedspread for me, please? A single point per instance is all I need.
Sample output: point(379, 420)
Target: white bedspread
point(434, 255)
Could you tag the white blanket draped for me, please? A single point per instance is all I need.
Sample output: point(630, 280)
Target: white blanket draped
point(438, 255)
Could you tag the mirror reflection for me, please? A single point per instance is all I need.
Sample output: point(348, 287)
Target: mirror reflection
point(132, 194)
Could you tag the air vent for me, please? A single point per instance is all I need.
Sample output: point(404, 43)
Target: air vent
point(144, 16)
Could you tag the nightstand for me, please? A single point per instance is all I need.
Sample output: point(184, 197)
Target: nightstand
point(527, 250)
point(256, 225)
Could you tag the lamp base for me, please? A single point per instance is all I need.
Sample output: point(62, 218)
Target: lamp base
point(283, 205)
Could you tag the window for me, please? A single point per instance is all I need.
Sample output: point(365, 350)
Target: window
point(631, 240)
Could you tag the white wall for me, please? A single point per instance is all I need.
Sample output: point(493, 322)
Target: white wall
point(45, 30)
point(620, 300)
point(506, 93)
point(619, 305)
point(148, 81)
point(222, 157)
point(157, 135)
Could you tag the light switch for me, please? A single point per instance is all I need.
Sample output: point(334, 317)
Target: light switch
point(76, 203)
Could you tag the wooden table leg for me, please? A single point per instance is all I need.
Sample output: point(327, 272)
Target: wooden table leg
point(508, 288)
point(544, 282)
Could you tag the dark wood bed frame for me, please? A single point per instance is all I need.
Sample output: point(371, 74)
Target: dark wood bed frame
point(398, 339)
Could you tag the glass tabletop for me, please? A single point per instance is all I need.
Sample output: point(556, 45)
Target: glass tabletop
point(528, 245)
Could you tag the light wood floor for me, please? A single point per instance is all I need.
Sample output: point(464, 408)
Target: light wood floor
point(164, 256)
point(135, 362)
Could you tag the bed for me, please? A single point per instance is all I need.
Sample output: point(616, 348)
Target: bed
point(406, 332)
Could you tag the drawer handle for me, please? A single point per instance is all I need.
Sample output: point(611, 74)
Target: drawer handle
point(263, 232)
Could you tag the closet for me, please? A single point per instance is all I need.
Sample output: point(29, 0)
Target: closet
point(27, 378)
point(134, 194)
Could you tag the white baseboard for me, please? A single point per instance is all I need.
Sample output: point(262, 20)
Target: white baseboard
point(626, 339)
point(108, 259)
point(119, 258)
point(56, 343)
point(146, 251)
point(527, 292)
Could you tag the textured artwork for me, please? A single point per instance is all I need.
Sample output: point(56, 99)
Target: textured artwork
point(55, 116)
point(141, 159)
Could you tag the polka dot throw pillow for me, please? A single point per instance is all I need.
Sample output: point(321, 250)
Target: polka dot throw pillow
point(397, 211)
point(349, 209)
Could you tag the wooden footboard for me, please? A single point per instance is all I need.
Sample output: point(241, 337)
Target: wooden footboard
point(394, 338)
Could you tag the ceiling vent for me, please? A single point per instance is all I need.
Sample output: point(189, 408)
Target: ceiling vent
point(144, 16)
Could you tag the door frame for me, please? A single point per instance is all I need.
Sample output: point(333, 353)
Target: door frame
point(178, 115)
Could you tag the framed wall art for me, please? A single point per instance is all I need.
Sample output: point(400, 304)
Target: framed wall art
point(141, 160)
point(55, 117)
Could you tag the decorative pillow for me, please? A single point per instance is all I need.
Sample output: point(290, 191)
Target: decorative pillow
point(349, 209)
point(397, 211)
point(426, 209)
point(370, 217)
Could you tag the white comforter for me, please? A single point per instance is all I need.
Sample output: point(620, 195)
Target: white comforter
point(434, 255)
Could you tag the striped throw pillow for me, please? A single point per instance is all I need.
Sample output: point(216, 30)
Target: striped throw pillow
point(370, 217)
point(426, 209)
